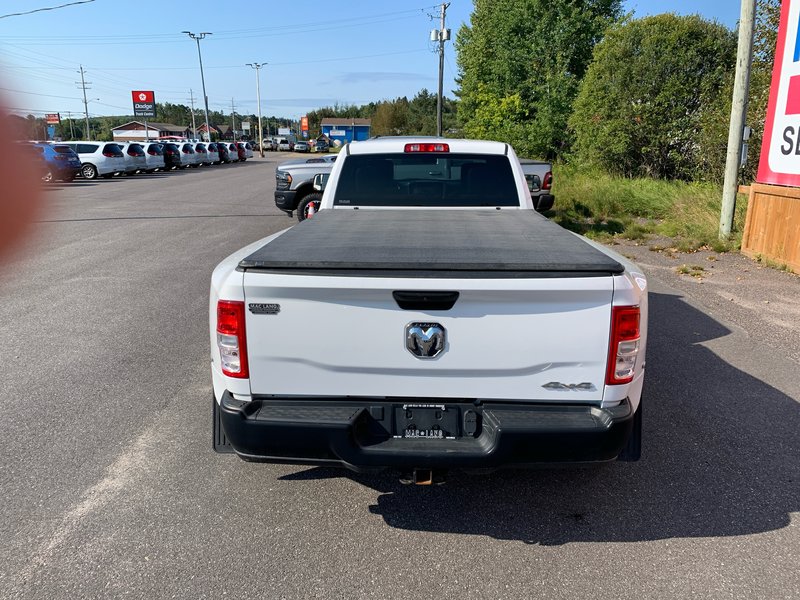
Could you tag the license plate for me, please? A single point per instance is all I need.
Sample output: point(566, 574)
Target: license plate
point(427, 421)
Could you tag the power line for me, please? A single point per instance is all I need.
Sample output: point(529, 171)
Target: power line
point(283, 32)
point(36, 10)
point(37, 94)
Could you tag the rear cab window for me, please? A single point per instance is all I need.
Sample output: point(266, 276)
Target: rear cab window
point(426, 180)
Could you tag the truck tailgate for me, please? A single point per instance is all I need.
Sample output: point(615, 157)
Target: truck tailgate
point(526, 338)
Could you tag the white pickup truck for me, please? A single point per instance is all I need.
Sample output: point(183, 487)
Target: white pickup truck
point(427, 318)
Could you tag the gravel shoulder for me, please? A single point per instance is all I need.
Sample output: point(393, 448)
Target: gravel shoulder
point(762, 301)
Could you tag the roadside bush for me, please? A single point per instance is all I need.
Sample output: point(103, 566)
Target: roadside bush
point(640, 109)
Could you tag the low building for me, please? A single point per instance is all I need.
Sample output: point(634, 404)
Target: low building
point(134, 131)
point(218, 132)
point(346, 130)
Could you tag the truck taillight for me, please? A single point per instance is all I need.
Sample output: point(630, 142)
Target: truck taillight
point(427, 148)
point(548, 181)
point(231, 339)
point(623, 347)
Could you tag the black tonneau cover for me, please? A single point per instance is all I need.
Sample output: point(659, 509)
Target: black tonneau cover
point(454, 243)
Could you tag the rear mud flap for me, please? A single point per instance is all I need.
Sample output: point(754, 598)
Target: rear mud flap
point(219, 441)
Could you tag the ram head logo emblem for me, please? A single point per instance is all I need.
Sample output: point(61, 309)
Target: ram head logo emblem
point(425, 340)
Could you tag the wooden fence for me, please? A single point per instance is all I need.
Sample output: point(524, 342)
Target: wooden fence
point(772, 227)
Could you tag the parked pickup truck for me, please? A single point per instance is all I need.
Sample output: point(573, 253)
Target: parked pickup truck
point(427, 318)
point(539, 176)
point(294, 181)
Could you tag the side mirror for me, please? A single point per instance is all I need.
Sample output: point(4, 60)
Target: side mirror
point(320, 181)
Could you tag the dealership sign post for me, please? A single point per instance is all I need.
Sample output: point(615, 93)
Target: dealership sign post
point(780, 151)
point(144, 105)
point(772, 227)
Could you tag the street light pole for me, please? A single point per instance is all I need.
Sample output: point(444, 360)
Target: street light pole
point(257, 67)
point(197, 37)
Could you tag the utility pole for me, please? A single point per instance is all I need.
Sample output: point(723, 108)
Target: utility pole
point(197, 37)
point(441, 36)
point(83, 85)
point(233, 119)
point(194, 126)
point(741, 85)
point(71, 130)
point(257, 67)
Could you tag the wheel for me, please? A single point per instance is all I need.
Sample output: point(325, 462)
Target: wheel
point(633, 449)
point(89, 171)
point(306, 203)
point(48, 177)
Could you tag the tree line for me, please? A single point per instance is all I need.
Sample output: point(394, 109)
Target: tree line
point(578, 80)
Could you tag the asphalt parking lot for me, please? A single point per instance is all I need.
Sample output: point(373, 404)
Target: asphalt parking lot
point(111, 490)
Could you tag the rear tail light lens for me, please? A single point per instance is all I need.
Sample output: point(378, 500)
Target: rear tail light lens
point(231, 339)
point(548, 181)
point(427, 148)
point(624, 343)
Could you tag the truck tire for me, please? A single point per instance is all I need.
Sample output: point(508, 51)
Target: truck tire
point(303, 208)
point(633, 449)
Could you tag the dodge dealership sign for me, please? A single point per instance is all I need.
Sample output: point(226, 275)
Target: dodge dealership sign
point(144, 103)
point(780, 151)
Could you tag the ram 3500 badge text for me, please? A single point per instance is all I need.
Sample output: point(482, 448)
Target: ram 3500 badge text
point(427, 318)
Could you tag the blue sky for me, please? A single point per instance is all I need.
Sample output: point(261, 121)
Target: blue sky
point(319, 52)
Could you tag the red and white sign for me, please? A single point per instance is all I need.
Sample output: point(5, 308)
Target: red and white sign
point(143, 96)
point(780, 150)
point(52, 118)
point(144, 103)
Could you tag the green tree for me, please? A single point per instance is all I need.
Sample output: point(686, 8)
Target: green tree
point(528, 56)
point(391, 118)
point(642, 105)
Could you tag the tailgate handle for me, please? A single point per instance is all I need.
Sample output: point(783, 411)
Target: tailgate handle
point(425, 300)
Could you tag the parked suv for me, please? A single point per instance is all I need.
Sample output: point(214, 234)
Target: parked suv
point(172, 156)
point(135, 157)
point(61, 162)
point(154, 156)
point(224, 153)
point(102, 159)
point(189, 157)
point(284, 145)
point(211, 155)
point(233, 151)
